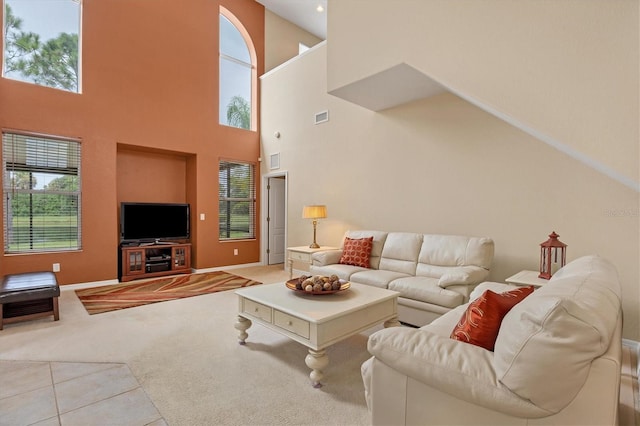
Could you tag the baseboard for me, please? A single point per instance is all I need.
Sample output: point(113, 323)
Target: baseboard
point(80, 286)
point(226, 268)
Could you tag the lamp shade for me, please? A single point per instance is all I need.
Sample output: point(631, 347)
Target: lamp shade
point(314, 212)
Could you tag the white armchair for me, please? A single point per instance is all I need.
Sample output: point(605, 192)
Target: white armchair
point(556, 360)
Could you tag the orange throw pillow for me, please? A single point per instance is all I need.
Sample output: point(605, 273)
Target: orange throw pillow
point(356, 252)
point(480, 323)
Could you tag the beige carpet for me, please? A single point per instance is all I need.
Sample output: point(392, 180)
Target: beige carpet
point(186, 357)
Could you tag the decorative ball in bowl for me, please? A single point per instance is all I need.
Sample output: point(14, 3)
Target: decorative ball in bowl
point(318, 284)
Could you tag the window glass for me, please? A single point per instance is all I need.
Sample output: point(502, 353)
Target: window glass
point(41, 193)
point(236, 200)
point(41, 43)
point(236, 77)
point(232, 43)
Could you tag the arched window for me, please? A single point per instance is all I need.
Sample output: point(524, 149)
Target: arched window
point(237, 74)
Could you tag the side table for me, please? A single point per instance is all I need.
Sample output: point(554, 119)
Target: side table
point(527, 278)
point(302, 254)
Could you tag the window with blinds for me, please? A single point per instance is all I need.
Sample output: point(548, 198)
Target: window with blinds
point(42, 197)
point(237, 200)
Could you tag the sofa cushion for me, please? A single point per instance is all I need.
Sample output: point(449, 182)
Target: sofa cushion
point(400, 252)
point(342, 271)
point(453, 250)
point(480, 322)
point(554, 334)
point(377, 278)
point(356, 251)
point(426, 289)
point(379, 239)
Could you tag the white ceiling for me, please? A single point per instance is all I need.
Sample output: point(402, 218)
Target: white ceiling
point(303, 13)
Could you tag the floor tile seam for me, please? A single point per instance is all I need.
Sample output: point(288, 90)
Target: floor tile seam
point(62, 361)
point(57, 416)
point(61, 413)
point(115, 365)
point(27, 391)
point(55, 395)
point(148, 396)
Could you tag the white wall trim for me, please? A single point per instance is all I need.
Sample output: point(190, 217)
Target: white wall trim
point(362, 90)
point(576, 155)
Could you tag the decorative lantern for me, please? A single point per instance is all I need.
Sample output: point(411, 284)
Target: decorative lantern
point(550, 251)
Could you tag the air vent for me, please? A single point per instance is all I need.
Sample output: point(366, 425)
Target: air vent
point(322, 117)
point(274, 161)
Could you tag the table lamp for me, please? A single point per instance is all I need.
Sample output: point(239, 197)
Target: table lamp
point(314, 212)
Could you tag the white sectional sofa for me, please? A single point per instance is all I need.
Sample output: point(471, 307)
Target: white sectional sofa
point(556, 360)
point(432, 273)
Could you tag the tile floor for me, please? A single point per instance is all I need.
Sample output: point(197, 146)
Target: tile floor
point(72, 393)
point(43, 393)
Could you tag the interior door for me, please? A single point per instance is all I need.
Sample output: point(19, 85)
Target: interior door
point(276, 220)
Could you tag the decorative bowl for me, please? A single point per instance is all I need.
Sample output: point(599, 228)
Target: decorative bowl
point(291, 285)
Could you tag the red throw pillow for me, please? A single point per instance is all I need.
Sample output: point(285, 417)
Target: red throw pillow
point(356, 252)
point(480, 323)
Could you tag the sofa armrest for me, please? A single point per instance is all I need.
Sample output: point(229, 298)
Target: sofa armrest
point(467, 275)
point(326, 257)
point(456, 368)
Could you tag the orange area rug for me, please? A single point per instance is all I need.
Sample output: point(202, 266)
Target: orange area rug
point(107, 298)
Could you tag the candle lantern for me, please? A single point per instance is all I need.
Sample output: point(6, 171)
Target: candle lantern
point(551, 251)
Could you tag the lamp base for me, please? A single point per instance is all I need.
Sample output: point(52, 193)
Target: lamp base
point(314, 245)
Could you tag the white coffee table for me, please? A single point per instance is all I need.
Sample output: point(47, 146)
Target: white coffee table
point(315, 321)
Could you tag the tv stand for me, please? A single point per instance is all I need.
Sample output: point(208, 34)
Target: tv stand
point(157, 259)
point(167, 243)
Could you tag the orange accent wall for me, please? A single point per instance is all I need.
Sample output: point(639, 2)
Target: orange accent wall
point(148, 113)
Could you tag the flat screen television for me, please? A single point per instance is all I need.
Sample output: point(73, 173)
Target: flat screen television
point(153, 222)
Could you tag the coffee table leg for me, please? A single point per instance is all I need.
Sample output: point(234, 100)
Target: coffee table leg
point(393, 322)
point(242, 325)
point(316, 361)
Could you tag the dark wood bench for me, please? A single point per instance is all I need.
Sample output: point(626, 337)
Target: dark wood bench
point(28, 296)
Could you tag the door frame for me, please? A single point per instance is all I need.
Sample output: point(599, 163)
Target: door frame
point(264, 208)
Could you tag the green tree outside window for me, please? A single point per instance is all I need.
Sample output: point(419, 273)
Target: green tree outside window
point(51, 63)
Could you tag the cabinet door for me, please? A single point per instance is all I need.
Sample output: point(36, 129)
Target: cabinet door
point(181, 256)
point(134, 261)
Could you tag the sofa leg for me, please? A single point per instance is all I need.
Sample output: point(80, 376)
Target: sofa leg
point(56, 311)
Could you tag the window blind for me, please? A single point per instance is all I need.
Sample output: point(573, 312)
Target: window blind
point(42, 196)
point(237, 200)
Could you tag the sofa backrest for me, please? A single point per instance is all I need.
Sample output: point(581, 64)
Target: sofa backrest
point(438, 253)
point(547, 342)
point(379, 238)
point(400, 252)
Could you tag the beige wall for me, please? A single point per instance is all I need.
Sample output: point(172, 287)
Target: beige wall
point(282, 40)
point(566, 68)
point(441, 165)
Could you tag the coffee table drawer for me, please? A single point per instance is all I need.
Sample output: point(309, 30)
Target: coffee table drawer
point(257, 310)
point(292, 324)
